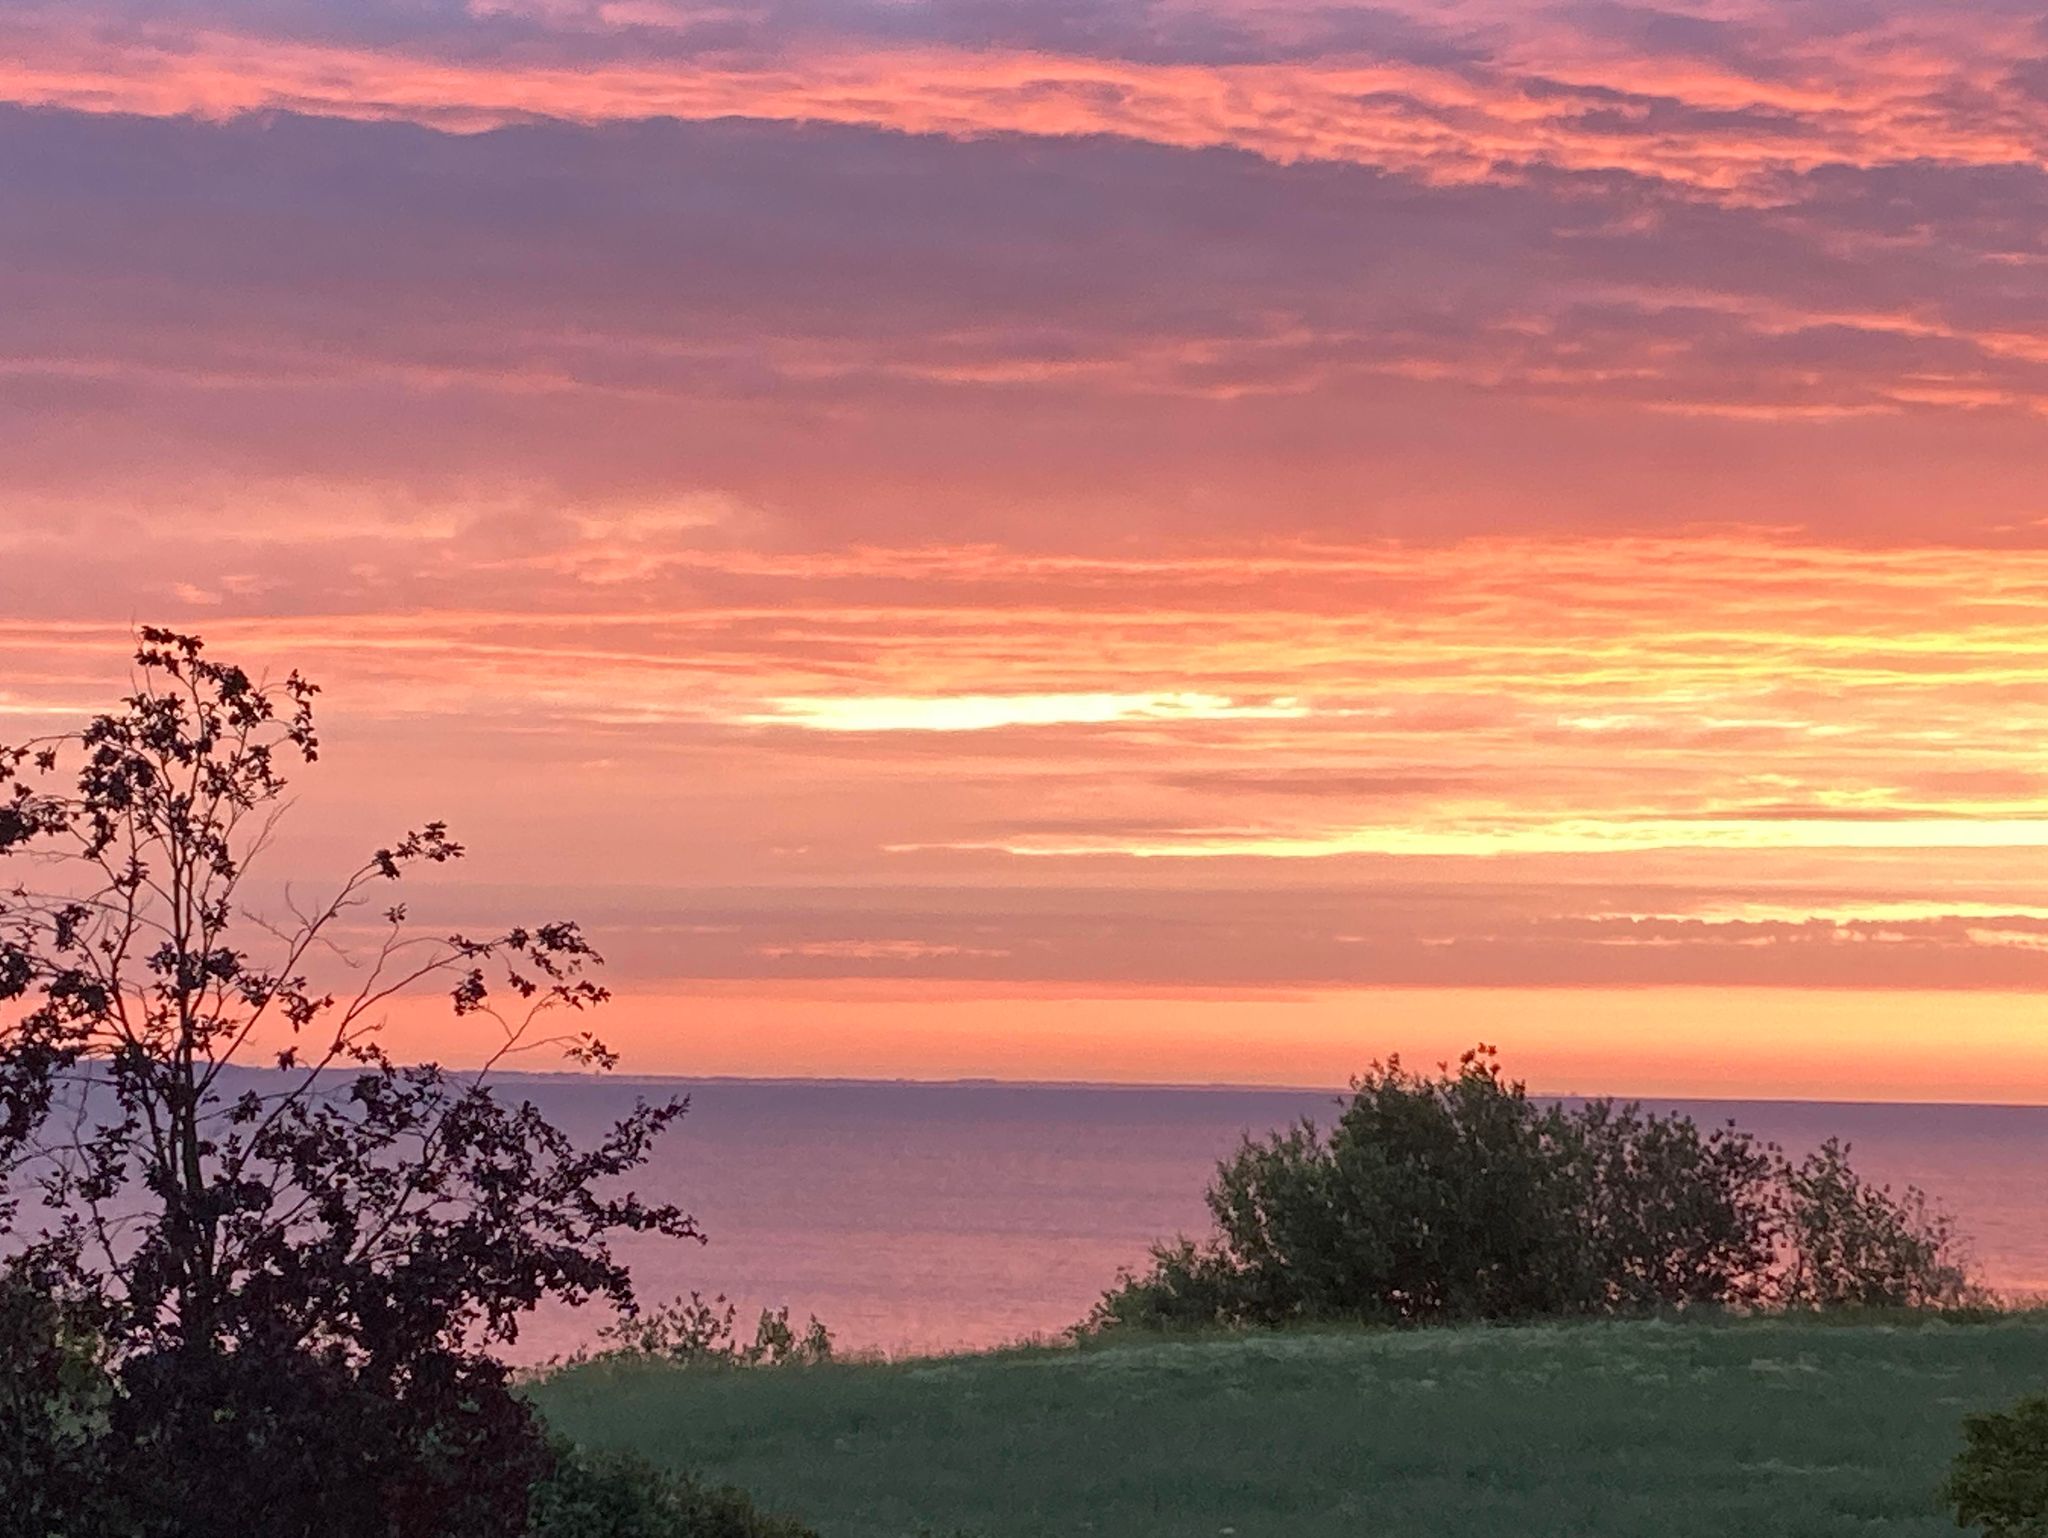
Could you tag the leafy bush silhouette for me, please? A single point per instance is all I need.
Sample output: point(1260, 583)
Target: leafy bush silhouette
point(1851, 1244)
point(614, 1495)
point(694, 1331)
point(2000, 1479)
point(236, 1302)
point(1438, 1198)
point(54, 1399)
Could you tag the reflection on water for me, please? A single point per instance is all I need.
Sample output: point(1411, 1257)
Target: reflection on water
point(927, 1217)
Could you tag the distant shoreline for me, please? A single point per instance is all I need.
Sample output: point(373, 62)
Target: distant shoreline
point(797, 1081)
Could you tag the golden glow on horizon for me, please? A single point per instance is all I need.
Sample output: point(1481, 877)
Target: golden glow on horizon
point(1581, 836)
point(986, 712)
point(1758, 1043)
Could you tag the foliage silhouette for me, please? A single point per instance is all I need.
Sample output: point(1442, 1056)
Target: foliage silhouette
point(1849, 1244)
point(1999, 1481)
point(54, 1397)
point(1455, 1197)
point(293, 1278)
point(696, 1331)
point(615, 1495)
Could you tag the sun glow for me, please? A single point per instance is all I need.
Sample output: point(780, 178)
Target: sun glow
point(1576, 836)
point(988, 712)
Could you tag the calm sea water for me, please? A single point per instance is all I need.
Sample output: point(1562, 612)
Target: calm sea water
point(919, 1217)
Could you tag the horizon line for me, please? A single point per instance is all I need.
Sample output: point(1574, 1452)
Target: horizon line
point(847, 1081)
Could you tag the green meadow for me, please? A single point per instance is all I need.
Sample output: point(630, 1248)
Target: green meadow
point(1796, 1427)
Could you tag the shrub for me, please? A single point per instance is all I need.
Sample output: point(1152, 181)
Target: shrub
point(700, 1333)
point(1188, 1287)
point(1433, 1198)
point(1854, 1244)
point(1454, 1196)
point(1659, 1213)
point(2000, 1479)
point(190, 1431)
point(54, 1395)
point(592, 1495)
point(225, 1444)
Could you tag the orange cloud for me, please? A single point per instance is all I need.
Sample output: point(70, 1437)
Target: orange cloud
point(1561, 697)
point(1206, 543)
point(1546, 102)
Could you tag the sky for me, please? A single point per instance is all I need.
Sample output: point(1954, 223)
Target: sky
point(1094, 539)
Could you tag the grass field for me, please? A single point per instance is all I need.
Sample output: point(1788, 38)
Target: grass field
point(1646, 1430)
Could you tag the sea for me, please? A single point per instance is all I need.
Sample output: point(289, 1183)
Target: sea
point(919, 1217)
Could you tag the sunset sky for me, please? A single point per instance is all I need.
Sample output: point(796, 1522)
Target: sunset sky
point(1095, 539)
